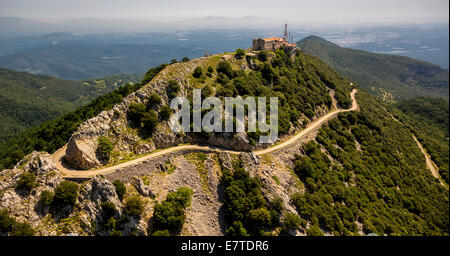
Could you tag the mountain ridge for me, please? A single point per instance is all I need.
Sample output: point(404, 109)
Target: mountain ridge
point(390, 77)
point(360, 173)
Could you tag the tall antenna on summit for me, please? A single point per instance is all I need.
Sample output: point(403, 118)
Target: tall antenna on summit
point(285, 37)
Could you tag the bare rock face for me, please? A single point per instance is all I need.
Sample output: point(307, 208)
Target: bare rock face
point(114, 123)
point(225, 160)
point(250, 159)
point(25, 206)
point(144, 148)
point(142, 188)
point(37, 162)
point(82, 153)
point(164, 137)
point(238, 141)
point(95, 192)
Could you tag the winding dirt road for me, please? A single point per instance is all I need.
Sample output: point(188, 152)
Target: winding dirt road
point(58, 156)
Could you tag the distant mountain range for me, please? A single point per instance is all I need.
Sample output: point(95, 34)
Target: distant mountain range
point(388, 76)
point(27, 100)
point(86, 48)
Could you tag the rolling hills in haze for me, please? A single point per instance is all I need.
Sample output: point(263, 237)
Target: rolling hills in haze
point(28, 100)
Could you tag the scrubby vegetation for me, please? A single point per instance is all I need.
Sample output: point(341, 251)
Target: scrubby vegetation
point(134, 206)
point(46, 198)
point(247, 211)
point(198, 71)
point(302, 86)
point(173, 89)
point(9, 225)
point(65, 194)
point(55, 133)
point(27, 181)
point(428, 120)
point(383, 185)
point(240, 53)
point(105, 146)
point(121, 190)
point(169, 215)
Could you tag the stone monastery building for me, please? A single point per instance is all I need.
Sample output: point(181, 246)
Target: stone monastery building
point(273, 43)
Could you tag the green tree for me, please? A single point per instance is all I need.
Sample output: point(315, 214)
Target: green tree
point(168, 215)
point(121, 190)
point(314, 230)
point(262, 56)
point(136, 111)
point(224, 67)
point(165, 112)
point(305, 168)
point(27, 181)
point(109, 209)
point(291, 221)
point(150, 121)
point(22, 229)
point(198, 71)
point(182, 195)
point(207, 91)
point(185, 59)
point(134, 206)
point(66, 193)
point(153, 101)
point(6, 221)
point(240, 53)
point(237, 229)
point(105, 146)
point(260, 217)
point(173, 88)
point(46, 198)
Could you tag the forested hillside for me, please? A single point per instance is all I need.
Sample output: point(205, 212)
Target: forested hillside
point(388, 76)
point(27, 100)
point(360, 173)
point(376, 178)
point(53, 134)
point(428, 119)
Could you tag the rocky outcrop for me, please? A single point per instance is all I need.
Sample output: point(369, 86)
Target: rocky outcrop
point(85, 218)
point(37, 162)
point(81, 153)
point(114, 123)
point(225, 160)
point(93, 193)
point(142, 189)
point(238, 141)
point(25, 206)
point(163, 137)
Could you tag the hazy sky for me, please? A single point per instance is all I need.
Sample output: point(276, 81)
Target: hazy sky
point(320, 11)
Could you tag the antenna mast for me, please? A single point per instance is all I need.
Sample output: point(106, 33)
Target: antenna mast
point(285, 37)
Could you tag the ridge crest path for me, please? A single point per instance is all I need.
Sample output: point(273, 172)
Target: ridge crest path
point(58, 156)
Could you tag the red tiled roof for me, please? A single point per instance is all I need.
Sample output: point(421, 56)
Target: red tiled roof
point(269, 39)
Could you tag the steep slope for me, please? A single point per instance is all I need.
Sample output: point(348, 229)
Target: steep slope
point(387, 76)
point(126, 126)
point(428, 120)
point(28, 100)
